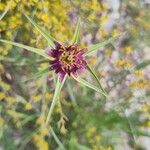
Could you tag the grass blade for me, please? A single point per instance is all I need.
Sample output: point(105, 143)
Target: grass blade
point(85, 83)
point(5, 11)
point(31, 49)
point(58, 88)
point(45, 35)
point(76, 33)
point(56, 139)
point(96, 78)
point(94, 47)
point(38, 74)
point(142, 65)
point(132, 130)
point(16, 114)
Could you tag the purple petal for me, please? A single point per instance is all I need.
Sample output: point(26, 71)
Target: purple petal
point(58, 45)
point(61, 75)
point(55, 66)
point(52, 62)
point(48, 51)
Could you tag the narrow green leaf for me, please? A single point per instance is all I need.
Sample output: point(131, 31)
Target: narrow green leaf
point(27, 119)
point(142, 65)
point(58, 88)
point(85, 83)
point(76, 33)
point(38, 74)
point(56, 139)
point(31, 49)
point(96, 78)
point(94, 47)
point(16, 114)
point(48, 37)
point(132, 130)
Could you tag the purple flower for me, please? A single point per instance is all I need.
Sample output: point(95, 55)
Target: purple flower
point(67, 60)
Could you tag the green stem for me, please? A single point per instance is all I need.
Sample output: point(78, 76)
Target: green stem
point(56, 139)
point(59, 85)
point(131, 128)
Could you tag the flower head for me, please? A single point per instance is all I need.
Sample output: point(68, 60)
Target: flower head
point(67, 60)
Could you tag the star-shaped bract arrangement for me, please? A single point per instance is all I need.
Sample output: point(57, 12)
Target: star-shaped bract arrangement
point(65, 61)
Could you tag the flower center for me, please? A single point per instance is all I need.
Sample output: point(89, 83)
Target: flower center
point(67, 58)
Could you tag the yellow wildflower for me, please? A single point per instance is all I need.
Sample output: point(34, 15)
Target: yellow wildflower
point(97, 138)
point(35, 137)
point(2, 6)
point(40, 120)
point(5, 86)
point(140, 84)
point(103, 33)
point(4, 53)
point(139, 73)
point(103, 19)
point(148, 124)
point(45, 18)
point(102, 73)
point(28, 106)
point(2, 95)
point(105, 5)
point(91, 17)
point(92, 60)
point(128, 50)
point(1, 122)
point(36, 98)
point(109, 148)
point(145, 108)
point(40, 142)
point(115, 33)
point(48, 96)
point(123, 63)
point(91, 131)
point(42, 145)
point(95, 5)
point(44, 131)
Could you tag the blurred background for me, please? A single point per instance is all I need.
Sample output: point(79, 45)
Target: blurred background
point(83, 119)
